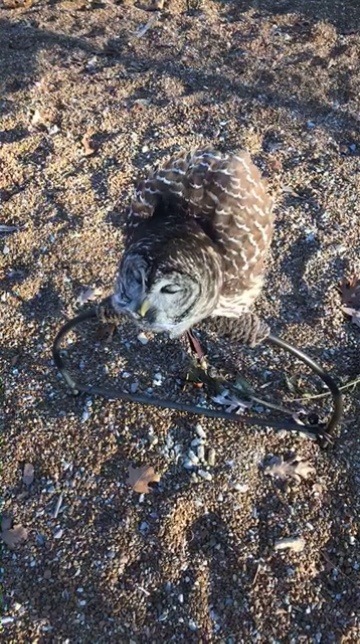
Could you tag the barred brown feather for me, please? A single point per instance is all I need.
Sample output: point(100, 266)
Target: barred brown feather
point(200, 225)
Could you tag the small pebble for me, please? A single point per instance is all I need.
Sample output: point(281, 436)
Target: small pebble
point(58, 534)
point(145, 148)
point(241, 487)
point(205, 475)
point(142, 338)
point(188, 464)
point(200, 431)
point(85, 416)
point(40, 539)
point(211, 457)
point(134, 387)
point(157, 381)
point(6, 250)
point(7, 620)
point(201, 452)
point(192, 457)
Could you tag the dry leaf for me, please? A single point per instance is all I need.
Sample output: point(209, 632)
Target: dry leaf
point(140, 477)
point(38, 120)
point(14, 536)
point(89, 294)
point(304, 469)
point(354, 314)
point(296, 544)
point(291, 469)
point(350, 292)
point(231, 402)
point(105, 332)
point(88, 143)
point(6, 522)
point(28, 474)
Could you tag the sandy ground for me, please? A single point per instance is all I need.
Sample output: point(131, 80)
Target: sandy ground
point(89, 100)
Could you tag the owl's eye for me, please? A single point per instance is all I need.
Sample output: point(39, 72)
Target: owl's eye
point(170, 289)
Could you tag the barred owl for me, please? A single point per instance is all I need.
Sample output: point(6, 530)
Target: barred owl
point(196, 237)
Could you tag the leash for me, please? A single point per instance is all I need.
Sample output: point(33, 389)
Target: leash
point(322, 432)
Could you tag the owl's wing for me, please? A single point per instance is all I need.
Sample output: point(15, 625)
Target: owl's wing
point(168, 181)
point(226, 193)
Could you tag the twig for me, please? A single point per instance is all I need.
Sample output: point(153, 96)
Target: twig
point(257, 571)
point(58, 506)
point(352, 383)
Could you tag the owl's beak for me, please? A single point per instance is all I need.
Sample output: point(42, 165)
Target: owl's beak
point(144, 308)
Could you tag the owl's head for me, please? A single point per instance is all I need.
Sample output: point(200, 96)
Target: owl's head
point(169, 289)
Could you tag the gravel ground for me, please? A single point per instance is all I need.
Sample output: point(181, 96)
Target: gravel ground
point(89, 100)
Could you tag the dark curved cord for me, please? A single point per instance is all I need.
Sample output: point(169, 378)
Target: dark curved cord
point(321, 432)
point(325, 377)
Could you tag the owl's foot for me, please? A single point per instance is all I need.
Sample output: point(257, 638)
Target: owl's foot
point(106, 313)
point(248, 329)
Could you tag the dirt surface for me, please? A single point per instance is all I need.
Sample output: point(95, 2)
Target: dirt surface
point(89, 100)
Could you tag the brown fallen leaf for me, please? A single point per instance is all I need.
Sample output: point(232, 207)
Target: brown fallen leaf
point(350, 291)
point(88, 294)
point(354, 314)
point(88, 143)
point(6, 522)
point(105, 332)
point(296, 544)
point(140, 477)
point(14, 536)
point(293, 468)
point(38, 120)
point(28, 474)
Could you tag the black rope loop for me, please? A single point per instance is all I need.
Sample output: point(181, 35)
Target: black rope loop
point(322, 432)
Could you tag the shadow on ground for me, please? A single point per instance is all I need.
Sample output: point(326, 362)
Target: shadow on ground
point(346, 18)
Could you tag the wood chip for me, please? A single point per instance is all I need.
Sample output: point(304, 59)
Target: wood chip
point(89, 148)
point(296, 544)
